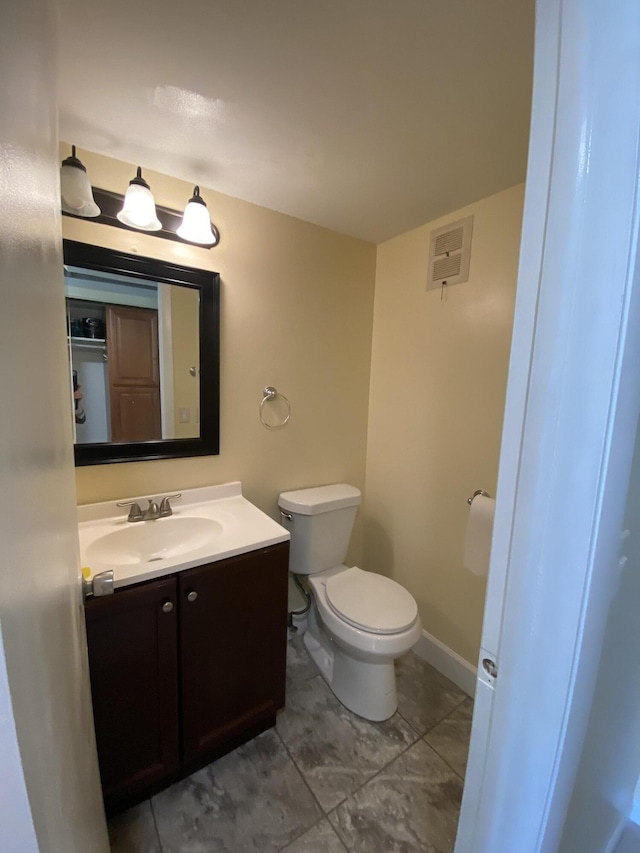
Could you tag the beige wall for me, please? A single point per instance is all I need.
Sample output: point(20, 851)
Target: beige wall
point(297, 306)
point(438, 381)
point(297, 313)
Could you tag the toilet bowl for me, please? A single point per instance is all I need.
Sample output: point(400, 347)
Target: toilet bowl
point(359, 621)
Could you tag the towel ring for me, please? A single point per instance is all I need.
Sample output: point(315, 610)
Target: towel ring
point(475, 495)
point(270, 395)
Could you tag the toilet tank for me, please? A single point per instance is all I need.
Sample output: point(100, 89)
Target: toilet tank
point(320, 527)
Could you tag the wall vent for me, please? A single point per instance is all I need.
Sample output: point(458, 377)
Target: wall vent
point(450, 254)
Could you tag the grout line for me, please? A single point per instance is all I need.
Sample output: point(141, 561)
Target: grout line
point(379, 770)
point(298, 837)
point(288, 751)
point(442, 719)
point(302, 776)
point(419, 736)
point(337, 832)
point(325, 814)
point(460, 704)
point(155, 823)
point(295, 763)
point(377, 773)
point(433, 749)
point(425, 735)
point(411, 726)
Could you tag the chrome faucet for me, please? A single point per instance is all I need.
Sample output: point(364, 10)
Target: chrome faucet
point(165, 507)
point(135, 513)
point(152, 512)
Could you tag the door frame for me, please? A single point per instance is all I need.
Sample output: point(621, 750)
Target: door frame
point(571, 416)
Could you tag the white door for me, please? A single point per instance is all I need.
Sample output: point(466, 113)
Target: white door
point(572, 409)
point(50, 796)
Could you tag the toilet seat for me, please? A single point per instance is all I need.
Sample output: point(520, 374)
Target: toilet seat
point(370, 602)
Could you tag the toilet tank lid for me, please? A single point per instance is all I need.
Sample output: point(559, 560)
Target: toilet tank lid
point(320, 499)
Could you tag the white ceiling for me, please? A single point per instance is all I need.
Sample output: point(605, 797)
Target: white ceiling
point(369, 117)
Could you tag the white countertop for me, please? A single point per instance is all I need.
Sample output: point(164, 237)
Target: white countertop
point(238, 527)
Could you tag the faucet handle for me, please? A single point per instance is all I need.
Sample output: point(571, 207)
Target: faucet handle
point(135, 513)
point(165, 506)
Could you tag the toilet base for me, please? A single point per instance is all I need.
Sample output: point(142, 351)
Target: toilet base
point(364, 687)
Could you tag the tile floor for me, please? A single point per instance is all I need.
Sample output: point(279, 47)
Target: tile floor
point(324, 780)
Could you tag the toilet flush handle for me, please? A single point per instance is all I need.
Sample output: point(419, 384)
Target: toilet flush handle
point(286, 515)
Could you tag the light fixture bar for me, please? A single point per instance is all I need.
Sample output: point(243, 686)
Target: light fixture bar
point(110, 203)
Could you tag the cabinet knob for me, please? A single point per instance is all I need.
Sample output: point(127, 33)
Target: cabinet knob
point(167, 607)
point(191, 596)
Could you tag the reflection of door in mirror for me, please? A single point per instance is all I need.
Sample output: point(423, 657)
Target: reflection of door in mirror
point(135, 349)
point(134, 379)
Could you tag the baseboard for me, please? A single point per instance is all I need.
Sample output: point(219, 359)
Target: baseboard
point(446, 661)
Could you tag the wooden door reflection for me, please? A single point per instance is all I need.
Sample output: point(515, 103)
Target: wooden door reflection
point(134, 378)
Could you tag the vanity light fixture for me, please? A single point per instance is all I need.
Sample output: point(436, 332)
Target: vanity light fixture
point(196, 225)
point(75, 188)
point(139, 208)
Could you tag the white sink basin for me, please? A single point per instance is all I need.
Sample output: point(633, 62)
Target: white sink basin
point(208, 524)
point(153, 541)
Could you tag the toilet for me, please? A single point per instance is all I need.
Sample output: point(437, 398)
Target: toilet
point(359, 622)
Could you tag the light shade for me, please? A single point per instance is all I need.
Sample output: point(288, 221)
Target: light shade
point(139, 208)
point(196, 225)
point(75, 188)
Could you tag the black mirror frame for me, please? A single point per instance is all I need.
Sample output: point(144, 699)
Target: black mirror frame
point(208, 283)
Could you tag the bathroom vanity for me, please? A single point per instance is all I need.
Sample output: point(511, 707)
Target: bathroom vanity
point(187, 657)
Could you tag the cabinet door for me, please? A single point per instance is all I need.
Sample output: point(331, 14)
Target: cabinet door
point(233, 636)
point(132, 640)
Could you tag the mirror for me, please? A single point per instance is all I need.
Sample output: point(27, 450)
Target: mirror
point(143, 356)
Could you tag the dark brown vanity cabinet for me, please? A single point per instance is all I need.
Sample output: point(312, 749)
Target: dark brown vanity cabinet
point(186, 668)
point(133, 661)
point(233, 636)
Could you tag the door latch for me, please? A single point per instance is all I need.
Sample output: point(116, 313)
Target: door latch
point(490, 668)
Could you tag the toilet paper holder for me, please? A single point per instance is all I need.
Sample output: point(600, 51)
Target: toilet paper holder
point(475, 495)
